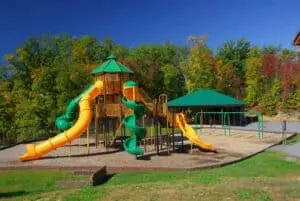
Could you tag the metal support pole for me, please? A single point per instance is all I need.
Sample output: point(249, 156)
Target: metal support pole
point(262, 127)
point(283, 136)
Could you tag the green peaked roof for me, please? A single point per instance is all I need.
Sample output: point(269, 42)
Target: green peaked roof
point(130, 84)
point(205, 97)
point(111, 66)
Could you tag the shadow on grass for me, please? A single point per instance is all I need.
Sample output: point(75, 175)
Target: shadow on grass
point(12, 194)
point(101, 177)
point(104, 180)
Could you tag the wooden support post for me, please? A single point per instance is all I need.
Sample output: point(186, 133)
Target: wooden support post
point(88, 140)
point(161, 136)
point(151, 132)
point(156, 136)
point(106, 133)
point(115, 122)
point(181, 141)
point(145, 145)
point(173, 130)
point(96, 132)
point(70, 150)
point(145, 141)
point(168, 136)
point(123, 134)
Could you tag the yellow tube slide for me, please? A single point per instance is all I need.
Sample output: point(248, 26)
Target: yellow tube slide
point(85, 117)
point(191, 134)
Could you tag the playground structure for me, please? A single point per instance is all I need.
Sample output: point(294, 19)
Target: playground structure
point(73, 132)
point(120, 106)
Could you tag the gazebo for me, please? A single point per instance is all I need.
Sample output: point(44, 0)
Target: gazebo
point(208, 101)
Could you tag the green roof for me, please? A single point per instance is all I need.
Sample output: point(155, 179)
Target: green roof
point(205, 97)
point(130, 84)
point(111, 66)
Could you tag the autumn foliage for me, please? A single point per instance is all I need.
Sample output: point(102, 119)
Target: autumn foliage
point(45, 73)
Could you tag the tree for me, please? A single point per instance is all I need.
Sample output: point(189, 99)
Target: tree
point(173, 81)
point(270, 70)
point(198, 68)
point(296, 77)
point(270, 100)
point(270, 65)
point(286, 74)
point(293, 101)
point(235, 53)
point(253, 77)
point(224, 77)
point(287, 55)
point(6, 109)
point(271, 49)
point(148, 60)
point(47, 72)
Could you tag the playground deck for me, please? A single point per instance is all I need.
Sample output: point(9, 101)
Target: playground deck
point(239, 145)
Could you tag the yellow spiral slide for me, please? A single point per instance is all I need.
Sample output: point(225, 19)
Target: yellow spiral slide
point(85, 117)
point(191, 134)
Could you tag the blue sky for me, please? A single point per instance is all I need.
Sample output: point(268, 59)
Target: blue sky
point(132, 22)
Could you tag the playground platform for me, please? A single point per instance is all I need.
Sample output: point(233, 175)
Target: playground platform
point(238, 146)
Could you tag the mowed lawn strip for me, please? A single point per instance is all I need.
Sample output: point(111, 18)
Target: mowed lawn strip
point(267, 176)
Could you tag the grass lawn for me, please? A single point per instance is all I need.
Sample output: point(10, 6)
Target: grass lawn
point(267, 176)
point(294, 140)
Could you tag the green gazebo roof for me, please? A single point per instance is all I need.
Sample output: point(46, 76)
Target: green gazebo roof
point(205, 97)
point(111, 66)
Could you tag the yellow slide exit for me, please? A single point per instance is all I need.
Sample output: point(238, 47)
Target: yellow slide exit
point(191, 134)
point(85, 117)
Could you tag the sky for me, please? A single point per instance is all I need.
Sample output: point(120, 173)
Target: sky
point(132, 22)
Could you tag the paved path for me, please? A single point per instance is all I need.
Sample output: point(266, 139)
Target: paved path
point(276, 126)
point(292, 150)
point(293, 127)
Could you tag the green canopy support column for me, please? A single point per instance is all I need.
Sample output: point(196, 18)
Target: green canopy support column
point(198, 119)
point(260, 126)
point(226, 123)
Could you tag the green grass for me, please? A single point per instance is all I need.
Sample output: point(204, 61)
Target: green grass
point(255, 195)
point(294, 140)
point(267, 176)
point(23, 183)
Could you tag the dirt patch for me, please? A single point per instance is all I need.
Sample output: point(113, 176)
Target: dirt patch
point(231, 148)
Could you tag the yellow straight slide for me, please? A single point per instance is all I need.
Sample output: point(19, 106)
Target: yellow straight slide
point(85, 117)
point(191, 134)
